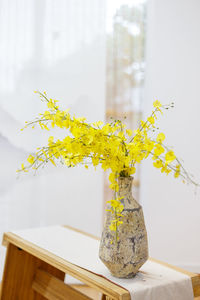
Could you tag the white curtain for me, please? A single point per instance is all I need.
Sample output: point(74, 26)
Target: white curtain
point(57, 46)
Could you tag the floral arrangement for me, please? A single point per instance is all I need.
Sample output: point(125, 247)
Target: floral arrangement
point(110, 145)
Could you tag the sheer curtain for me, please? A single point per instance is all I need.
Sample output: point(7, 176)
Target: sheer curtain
point(59, 47)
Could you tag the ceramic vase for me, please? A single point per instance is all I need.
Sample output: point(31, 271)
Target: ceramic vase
point(125, 255)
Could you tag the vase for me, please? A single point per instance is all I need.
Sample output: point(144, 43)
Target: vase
point(125, 255)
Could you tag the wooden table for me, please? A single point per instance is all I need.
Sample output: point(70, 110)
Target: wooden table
point(31, 272)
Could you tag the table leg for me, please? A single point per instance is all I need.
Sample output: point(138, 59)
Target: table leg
point(104, 297)
point(19, 271)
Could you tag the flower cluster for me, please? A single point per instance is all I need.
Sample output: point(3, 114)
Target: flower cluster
point(110, 145)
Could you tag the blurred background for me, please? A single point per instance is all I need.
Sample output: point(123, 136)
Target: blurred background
point(101, 59)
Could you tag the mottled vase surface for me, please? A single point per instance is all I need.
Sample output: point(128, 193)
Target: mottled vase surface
point(125, 256)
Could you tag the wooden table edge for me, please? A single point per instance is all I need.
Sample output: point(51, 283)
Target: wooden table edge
point(96, 281)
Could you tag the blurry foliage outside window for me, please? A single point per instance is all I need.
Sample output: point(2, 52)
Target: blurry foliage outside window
point(125, 67)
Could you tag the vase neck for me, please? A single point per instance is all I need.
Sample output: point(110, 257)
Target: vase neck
point(125, 192)
point(125, 185)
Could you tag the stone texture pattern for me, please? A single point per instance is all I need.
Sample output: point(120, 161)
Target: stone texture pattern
point(125, 256)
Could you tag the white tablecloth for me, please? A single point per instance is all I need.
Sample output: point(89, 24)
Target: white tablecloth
point(153, 281)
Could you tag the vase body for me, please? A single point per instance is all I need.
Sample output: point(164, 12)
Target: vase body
point(124, 256)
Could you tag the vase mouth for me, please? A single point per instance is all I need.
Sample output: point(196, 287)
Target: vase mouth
point(130, 178)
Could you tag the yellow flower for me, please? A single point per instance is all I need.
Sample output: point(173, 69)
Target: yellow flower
point(113, 226)
point(160, 137)
point(112, 178)
point(52, 104)
point(158, 150)
point(158, 163)
point(143, 124)
point(31, 159)
point(98, 124)
point(151, 120)
point(114, 203)
point(165, 169)
point(121, 135)
point(114, 186)
point(129, 132)
point(157, 104)
point(50, 140)
point(169, 157)
point(177, 172)
point(132, 170)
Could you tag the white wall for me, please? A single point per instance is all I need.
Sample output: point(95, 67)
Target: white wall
point(172, 210)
